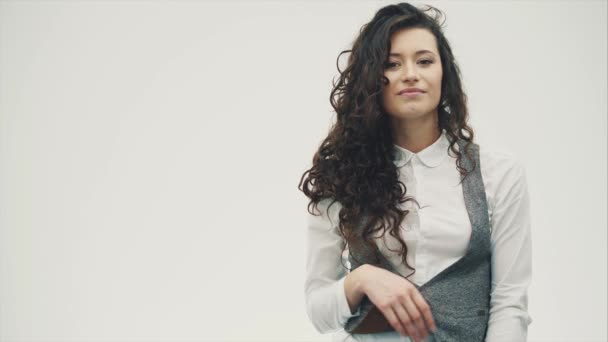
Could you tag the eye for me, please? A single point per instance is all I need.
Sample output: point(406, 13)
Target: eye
point(390, 65)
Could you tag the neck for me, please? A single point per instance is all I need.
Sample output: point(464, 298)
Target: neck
point(416, 135)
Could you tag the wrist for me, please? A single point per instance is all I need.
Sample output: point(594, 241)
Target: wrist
point(360, 279)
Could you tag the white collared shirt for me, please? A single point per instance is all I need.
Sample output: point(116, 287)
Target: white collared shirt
point(436, 235)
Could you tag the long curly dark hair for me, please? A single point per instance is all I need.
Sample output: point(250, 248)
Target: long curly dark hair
point(354, 163)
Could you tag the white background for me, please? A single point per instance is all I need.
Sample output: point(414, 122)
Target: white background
point(151, 150)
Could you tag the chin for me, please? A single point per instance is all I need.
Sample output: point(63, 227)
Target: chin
point(411, 113)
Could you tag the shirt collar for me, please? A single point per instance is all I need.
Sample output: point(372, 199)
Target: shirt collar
point(430, 156)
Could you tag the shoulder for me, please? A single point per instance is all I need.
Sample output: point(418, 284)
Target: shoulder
point(503, 174)
point(497, 163)
point(493, 158)
point(326, 214)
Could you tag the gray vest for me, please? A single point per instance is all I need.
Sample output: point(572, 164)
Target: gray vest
point(459, 296)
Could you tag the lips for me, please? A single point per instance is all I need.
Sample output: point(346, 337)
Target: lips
point(411, 94)
point(410, 90)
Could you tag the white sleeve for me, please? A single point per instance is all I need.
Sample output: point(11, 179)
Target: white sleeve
point(326, 303)
point(511, 255)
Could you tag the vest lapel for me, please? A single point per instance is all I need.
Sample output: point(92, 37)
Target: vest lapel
point(476, 204)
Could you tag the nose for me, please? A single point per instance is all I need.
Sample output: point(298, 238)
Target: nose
point(409, 74)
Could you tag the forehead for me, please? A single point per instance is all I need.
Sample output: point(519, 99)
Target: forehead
point(413, 41)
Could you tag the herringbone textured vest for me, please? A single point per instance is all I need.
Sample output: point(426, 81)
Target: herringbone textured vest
point(459, 295)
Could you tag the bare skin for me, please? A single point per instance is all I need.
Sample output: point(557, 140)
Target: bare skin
point(413, 62)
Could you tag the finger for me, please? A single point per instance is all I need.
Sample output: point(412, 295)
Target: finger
point(425, 310)
point(391, 317)
point(415, 316)
point(406, 321)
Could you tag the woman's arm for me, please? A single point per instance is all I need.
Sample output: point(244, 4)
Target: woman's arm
point(511, 254)
point(353, 287)
point(331, 293)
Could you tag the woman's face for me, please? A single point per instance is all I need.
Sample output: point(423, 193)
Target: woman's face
point(414, 62)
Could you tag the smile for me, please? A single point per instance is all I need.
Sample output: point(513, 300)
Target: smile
point(411, 94)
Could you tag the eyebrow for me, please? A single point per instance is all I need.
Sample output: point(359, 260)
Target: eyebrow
point(417, 53)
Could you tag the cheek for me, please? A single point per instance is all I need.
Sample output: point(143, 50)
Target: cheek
point(386, 98)
point(438, 79)
point(388, 89)
point(392, 79)
point(437, 86)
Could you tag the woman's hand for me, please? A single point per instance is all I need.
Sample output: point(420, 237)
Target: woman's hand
point(399, 301)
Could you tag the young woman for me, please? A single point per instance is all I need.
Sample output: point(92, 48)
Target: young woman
point(455, 266)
